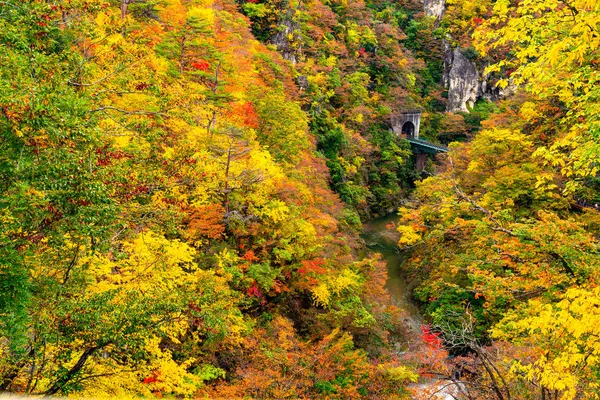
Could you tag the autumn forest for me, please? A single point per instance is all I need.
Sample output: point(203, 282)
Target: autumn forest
point(187, 189)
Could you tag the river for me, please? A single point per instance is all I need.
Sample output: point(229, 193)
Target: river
point(381, 237)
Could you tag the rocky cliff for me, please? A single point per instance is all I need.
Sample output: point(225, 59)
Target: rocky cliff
point(463, 76)
point(462, 79)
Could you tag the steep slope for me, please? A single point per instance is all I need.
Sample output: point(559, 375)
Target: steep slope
point(506, 238)
point(167, 225)
point(355, 71)
point(358, 65)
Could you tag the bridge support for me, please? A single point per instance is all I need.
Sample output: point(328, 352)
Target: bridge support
point(421, 160)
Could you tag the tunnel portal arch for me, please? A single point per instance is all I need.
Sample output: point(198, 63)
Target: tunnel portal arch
point(402, 124)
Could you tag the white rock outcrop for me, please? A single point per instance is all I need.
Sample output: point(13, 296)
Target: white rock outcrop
point(463, 83)
point(435, 8)
point(462, 77)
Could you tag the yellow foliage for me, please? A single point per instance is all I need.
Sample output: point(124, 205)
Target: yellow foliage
point(275, 210)
point(567, 338)
point(529, 111)
point(398, 374)
point(171, 377)
point(321, 295)
point(347, 279)
point(336, 287)
point(204, 14)
point(148, 262)
point(408, 236)
point(554, 53)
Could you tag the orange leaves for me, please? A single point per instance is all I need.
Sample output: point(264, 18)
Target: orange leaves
point(250, 256)
point(309, 273)
point(250, 115)
point(207, 221)
point(174, 13)
point(243, 114)
point(280, 365)
point(314, 266)
point(152, 33)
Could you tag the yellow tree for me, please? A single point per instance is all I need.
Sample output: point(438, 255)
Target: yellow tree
point(565, 336)
point(554, 51)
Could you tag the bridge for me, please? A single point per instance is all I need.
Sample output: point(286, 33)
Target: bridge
point(407, 124)
point(426, 147)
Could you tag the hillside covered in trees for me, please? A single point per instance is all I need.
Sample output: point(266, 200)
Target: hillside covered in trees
point(184, 182)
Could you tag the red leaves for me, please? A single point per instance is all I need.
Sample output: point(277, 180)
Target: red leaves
point(477, 20)
point(106, 157)
point(152, 378)
point(201, 65)
point(432, 339)
point(254, 291)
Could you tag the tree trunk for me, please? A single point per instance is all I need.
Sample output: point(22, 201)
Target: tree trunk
point(492, 378)
point(124, 4)
point(226, 188)
point(59, 384)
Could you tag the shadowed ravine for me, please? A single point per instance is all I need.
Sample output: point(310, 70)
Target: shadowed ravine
point(381, 237)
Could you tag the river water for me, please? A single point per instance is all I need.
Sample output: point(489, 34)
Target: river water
point(381, 237)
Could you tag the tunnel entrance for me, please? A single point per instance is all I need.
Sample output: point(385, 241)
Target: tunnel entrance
point(408, 129)
point(407, 123)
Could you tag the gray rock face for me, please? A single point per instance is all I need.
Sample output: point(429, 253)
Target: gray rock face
point(286, 28)
point(464, 80)
point(434, 8)
point(464, 86)
point(302, 81)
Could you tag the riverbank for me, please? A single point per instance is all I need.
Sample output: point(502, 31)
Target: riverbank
point(381, 237)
